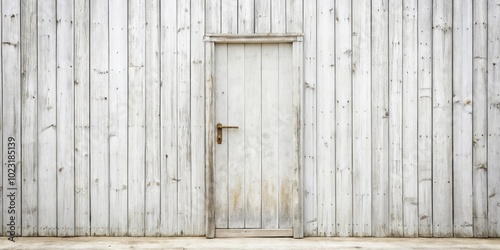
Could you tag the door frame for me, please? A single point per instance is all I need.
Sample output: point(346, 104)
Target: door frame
point(210, 136)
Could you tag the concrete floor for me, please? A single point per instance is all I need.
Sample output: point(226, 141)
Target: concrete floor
point(248, 243)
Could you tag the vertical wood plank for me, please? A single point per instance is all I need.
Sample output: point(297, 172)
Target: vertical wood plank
point(118, 114)
point(410, 118)
point(47, 124)
point(235, 137)
point(294, 14)
point(270, 135)
point(262, 16)
point(297, 155)
point(169, 118)
point(82, 118)
point(343, 116)
point(136, 116)
point(11, 126)
point(221, 150)
point(278, 16)
point(210, 140)
point(425, 118)
point(1, 132)
point(153, 168)
point(480, 120)
point(253, 131)
point(442, 119)
point(326, 90)
point(229, 17)
point(311, 207)
point(184, 197)
point(395, 149)
point(493, 118)
point(361, 81)
point(212, 16)
point(287, 140)
point(65, 120)
point(29, 94)
point(380, 117)
point(462, 118)
point(99, 117)
point(197, 117)
point(246, 18)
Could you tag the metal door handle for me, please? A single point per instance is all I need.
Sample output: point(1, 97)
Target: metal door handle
point(219, 131)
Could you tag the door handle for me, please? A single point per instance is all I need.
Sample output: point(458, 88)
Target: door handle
point(219, 131)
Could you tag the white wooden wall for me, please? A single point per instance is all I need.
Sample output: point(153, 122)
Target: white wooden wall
point(105, 99)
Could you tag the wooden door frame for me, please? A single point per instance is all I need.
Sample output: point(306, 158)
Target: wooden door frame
point(298, 100)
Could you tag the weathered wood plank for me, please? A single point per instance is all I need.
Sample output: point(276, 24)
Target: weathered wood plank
point(253, 131)
point(294, 16)
point(262, 16)
point(246, 233)
point(1, 133)
point(136, 116)
point(47, 124)
point(270, 138)
point(118, 118)
point(82, 118)
point(221, 150)
point(310, 161)
point(442, 157)
point(184, 198)
point(425, 118)
point(235, 137)
point(298, 149)
point(410, 118)
point(29, 95)
point(153, 167)
point(169, 150)
point(65, 120)
point(212, 16)
point(493, 118)
point(480, 120)
point(229, 17)
point(287, 140)
point(99, 117)
point(462, 118)
point(278, 16)
point(11, 118)
point(210, 140)
point(395, 149)
point(326, 123)
point(380, 118)
point(343, 116)
point(246, 18)
point(361, 81)
point(197, 117)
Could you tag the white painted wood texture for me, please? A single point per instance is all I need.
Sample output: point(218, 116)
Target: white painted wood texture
point(99, 118)
point(1, 133)
point(110, 98)
point(361, 121)
point(65, 120)
point(410, 116)
point(11, 118)
point(380, 117)
point(442, 141)
point(493, 118)
point(425, 94)
point(480, 119)
point(118, 118)
point(29, 83)
point(462, 118)
point(47, 124)
point(82, 118)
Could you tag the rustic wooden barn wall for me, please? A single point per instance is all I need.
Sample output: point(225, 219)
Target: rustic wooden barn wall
point(105, 102)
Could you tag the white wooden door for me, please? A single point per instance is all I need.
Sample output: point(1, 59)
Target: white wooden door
point(254, 164)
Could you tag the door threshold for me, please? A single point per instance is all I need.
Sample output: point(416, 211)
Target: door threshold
point(253, 233)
